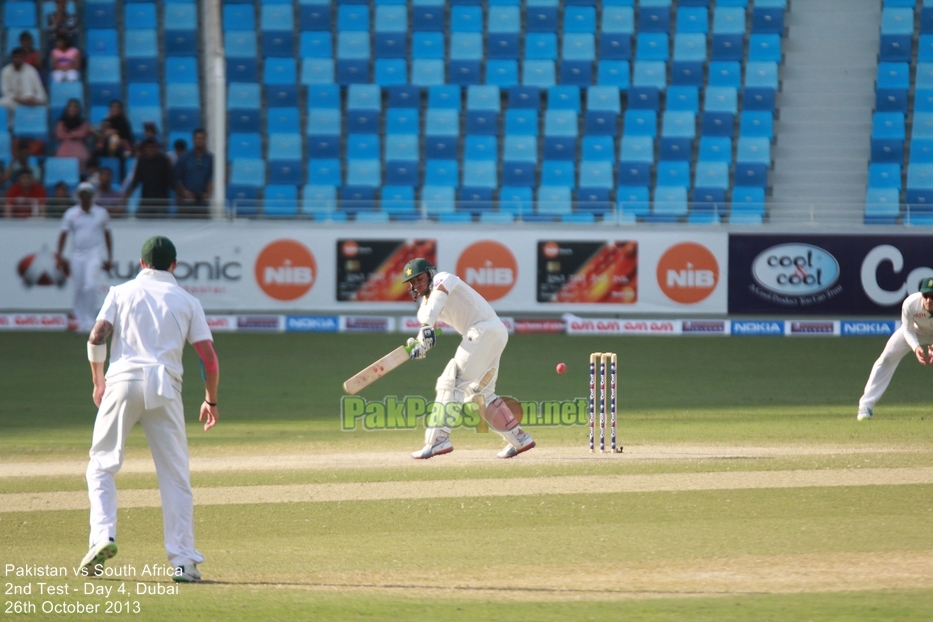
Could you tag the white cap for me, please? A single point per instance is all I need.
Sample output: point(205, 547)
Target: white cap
point(86, 187)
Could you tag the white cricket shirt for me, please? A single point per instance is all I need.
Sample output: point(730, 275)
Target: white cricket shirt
point(86, 228)
point(916, 321)
point(152, 318)
point(464, 308)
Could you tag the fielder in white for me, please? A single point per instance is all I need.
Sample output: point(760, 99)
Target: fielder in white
point(91, 252)
point(916, 329)
point(472, 373)
point(151, 318)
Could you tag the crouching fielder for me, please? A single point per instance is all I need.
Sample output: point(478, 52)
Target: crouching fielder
point(472, 373)
point(916, 329)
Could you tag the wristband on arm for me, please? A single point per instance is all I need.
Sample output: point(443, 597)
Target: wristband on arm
point(96, 353)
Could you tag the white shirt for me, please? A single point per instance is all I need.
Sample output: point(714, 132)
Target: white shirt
point(916, 321)
point(152, 317)
point(464, 307)
point(86, 228)
point(23, 83)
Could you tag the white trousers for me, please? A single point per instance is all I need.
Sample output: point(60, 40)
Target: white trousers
point(478, 352)
point(883, 369)
point(85, 277)
point(122, 406)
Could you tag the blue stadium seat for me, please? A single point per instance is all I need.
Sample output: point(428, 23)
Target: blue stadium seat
point(683, 98)
point(280, 200)
point(238, 17)
point(143, 94)
point(444, 96)
point(727, 47)
point(427, 72)
point(554, 201)
point(687, 73)
point(640, 122)
point(442, 172)
point(398, 202)
point(618, 19)
point(884, 175)
point(882, 206)
point(634, 173)
point(19, 14)
point(541, 46)
point(140, 15)
point(438, 200)
point(480, 174)
point(644, 98)
point(632, 202)
point(887, 137)
point(181, 70)
point(692, 19)
point(502, 73)
point(690, 47)
point(316, 45)
point(317, 71)
point(770, 19)
point(725, 73)
point(613, 73)
point(402, 172)
point(364, 173)
point(747, 206)
point(314, 15)
point(480, 148)
point(524, 97)
point(761, 75)
point(402, 147)
point(244, 145)
point(564, 97)
point(654, 18)
point(352, 17)
point(541, 17)
point(560, 134)
point(324, 171)
point(249, 172)
point(539, 73)
point(711, 175)
point(636, 149)
point(428, 15)
point(402, 121)
point(921, 150)
point(61, 169)
point(559, 173)
point(669, 201)
point(650, 74)
point(652, 46)
point(364, 106)
point(595, 174)
point(673, 173)
point(470, 19)
point(757, 124)
point(100, 15)
point(320, 202)
point(715, 149)
point(728, 20)
point(102, 42)
point(427, 45)
point(280, 120)
point(615, 46)
point(758, 99)
point(521, 121)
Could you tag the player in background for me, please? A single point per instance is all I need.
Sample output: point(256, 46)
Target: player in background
point(916, 329)
point(151, 318)
point(472, 373)
point(91, 252)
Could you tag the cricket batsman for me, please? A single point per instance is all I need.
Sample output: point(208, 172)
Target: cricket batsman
point(471, 374)
point(916, 329)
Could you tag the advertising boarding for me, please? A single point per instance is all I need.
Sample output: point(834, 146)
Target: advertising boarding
point(314, 272)
point(826, 275)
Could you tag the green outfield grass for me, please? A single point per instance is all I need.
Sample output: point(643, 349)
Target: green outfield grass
point(820, 553)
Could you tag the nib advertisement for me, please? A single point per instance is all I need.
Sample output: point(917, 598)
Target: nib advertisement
point(818, 275)
point(371, 270)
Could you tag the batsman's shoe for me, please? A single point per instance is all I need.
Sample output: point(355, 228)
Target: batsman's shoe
point(864, 413)
point(525, 443)
point(93, 562)
point(439, 448)
point(188, 573)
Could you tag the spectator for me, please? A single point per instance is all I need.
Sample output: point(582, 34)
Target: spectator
point(150, 133)
point(22, 85)
point(31, 55)
point(65, 61)
point(179, 148)
point(60, 201)
point(154, 174)
point(108, 197)
point(194, 175)
point(72, 132)
point(60, 21)
point(20, 163)
point(118, 121)
point(25, 198)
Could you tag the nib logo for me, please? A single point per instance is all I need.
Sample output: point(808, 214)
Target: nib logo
point(688, 273)
point(489, 268)
point(286, 270)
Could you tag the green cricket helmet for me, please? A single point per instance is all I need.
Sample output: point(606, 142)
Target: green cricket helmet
point(418, 266)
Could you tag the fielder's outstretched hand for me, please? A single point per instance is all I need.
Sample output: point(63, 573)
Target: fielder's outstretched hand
point(921, 353)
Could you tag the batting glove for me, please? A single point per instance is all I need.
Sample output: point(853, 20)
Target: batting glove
point(426, 337)
point(417, 351)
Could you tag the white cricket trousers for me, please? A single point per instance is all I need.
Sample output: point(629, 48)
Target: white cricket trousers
point(478, 352)
point(85, 274)
point(883, 369)
point(122, 406)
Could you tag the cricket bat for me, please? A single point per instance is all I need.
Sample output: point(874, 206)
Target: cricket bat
point(377, 370)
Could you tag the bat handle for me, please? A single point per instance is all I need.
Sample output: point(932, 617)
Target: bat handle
point(409, 348)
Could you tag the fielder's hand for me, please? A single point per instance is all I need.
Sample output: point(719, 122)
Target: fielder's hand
point(417, 351)
point(922, 356)
point(426, 337)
